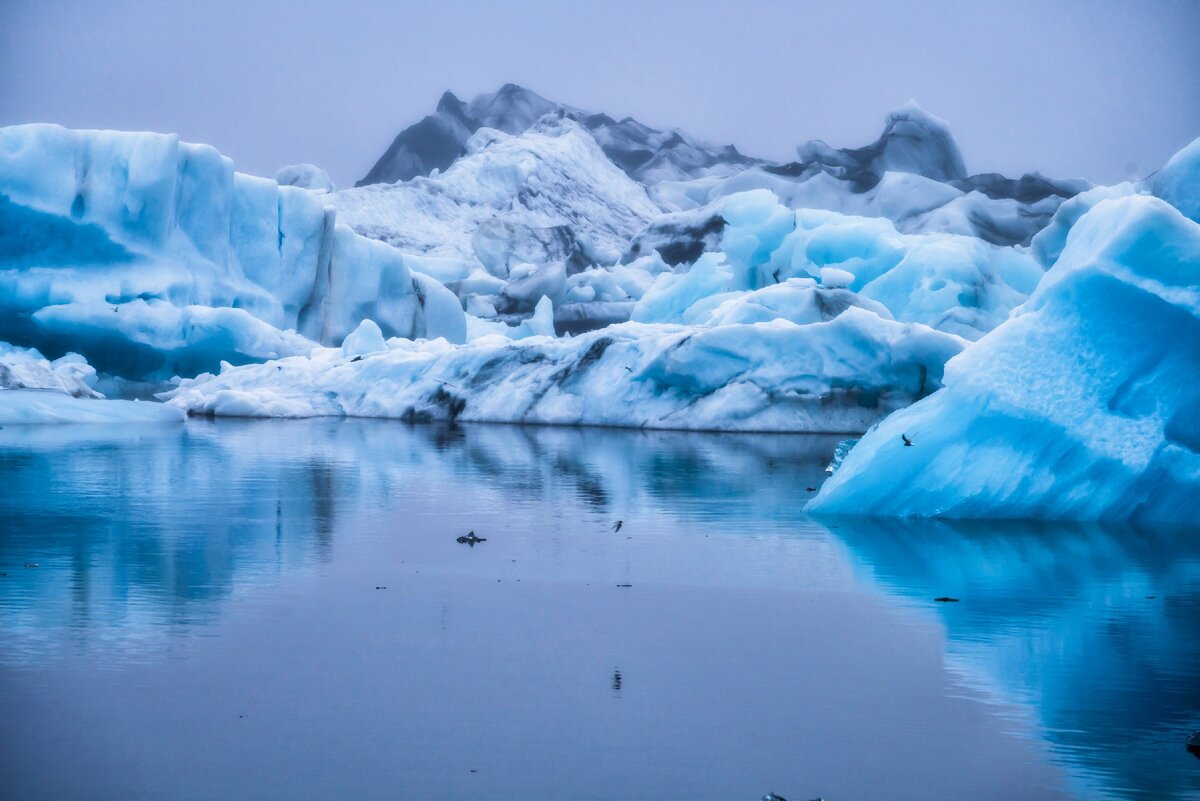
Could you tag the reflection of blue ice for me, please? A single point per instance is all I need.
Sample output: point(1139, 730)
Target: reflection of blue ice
point(158, 526)
point(1092, 628)
point(146, 537)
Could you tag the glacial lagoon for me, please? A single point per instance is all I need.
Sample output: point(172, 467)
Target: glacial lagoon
point(280, 610)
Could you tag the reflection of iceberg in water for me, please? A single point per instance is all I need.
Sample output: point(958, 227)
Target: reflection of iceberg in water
point(142, 535)
point(1092, 629)
point(131, 540)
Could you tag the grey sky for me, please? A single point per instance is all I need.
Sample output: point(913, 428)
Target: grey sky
point(1093, 88)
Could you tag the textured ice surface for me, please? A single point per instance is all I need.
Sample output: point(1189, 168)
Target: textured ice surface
point(118, 245)
point(1084, 405)
point(958, 284)
point(913, 175)
point(839, 374)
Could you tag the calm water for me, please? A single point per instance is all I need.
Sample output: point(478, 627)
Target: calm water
point(240, 610)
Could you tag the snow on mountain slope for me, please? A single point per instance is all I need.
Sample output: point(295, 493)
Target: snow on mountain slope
point(832, 375)
point(152, 257)
point(644, 153)
point(1084, 405)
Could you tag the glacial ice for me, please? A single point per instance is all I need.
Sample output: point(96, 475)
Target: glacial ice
point(912, 175)
point(1084, 405)
point(151, 256)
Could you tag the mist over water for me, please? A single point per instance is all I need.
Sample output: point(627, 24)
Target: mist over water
point(280, 610)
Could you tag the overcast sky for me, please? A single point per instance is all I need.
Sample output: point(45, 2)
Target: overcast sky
point(1094, 88)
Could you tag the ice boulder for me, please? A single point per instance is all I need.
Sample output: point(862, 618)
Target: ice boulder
point(1048, 245)
point(120, 245)
point(1085, 405)
point(305, 176)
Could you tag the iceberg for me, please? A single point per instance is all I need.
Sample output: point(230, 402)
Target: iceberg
point(1083, 405)
point(25, 368)
point(1178, 182)
point(150, 256)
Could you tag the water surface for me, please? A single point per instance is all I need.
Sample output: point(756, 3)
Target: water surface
point(279, 610)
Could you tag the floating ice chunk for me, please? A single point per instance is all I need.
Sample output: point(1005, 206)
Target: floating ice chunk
point(153, 340)
point(1081, 406)
point(1050, 241)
